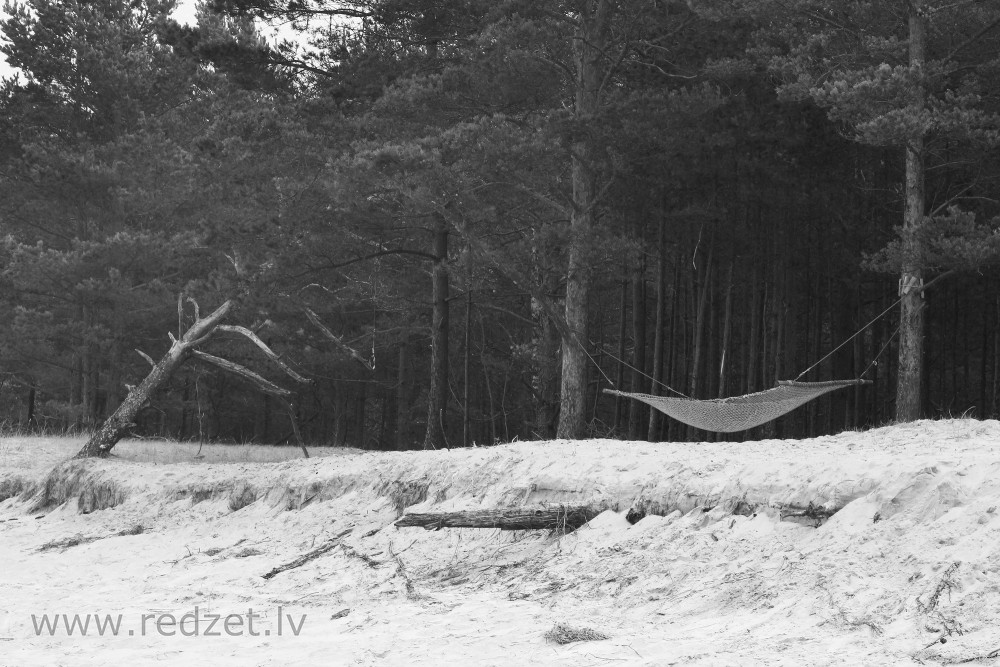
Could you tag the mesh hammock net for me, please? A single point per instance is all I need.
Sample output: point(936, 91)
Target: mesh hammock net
point(739, 413)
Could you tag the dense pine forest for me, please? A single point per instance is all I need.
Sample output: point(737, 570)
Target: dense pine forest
point(456, 222)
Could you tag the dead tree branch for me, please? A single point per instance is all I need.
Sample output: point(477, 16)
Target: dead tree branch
point(146, 357)
point(314, 318)
point(261, 383)
point(312, 555)
point(243, 331)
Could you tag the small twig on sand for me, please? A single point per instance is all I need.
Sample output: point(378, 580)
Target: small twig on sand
point(992, 655)
point(312, 555)
point(411, 591)
point(77, 540)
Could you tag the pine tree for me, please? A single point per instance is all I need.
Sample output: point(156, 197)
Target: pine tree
point(907, 75)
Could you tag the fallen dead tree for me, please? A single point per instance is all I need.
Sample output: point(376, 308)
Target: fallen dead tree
point(185, 346)
point(563, 518)
point(567, 518)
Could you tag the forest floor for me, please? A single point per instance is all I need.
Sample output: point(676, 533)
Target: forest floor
point(905, 571)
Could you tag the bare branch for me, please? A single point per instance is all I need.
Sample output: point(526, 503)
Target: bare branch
point(938, 278)
point(314, 318)
point(203, 328)
point(380, 253)
point(665, 72)
point(611, 70)
point(544, 199)
point(275, 58)
point(295, 428)
point(972, 40)
point(508, 312)
point(544, 301)
point(146, 357)
point(180, 316)
point(263, 384)
point(197, 310)
point(243, 331)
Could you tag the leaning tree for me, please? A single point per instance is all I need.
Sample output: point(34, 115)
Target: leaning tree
point(185, 346)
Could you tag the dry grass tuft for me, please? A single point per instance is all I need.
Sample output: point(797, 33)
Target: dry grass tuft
point(67, 542)
point(241, 495)
point(77, 540)
point(247, 553)
point(566, 634)
point(11, 487)
point(402, 494)
point(76, 479)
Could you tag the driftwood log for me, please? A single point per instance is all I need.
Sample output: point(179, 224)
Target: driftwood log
point(566, 518)
point(552, 517)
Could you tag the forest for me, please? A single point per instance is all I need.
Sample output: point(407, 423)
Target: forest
point(457, 222)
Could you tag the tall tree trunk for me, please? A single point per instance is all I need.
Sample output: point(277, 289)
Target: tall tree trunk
point(403, 393)
point(545, 380)
point(988, 325)
point(491, 406)
point(996, 362)
point(637, 409)
point(698, 334)
point(672, 352)
point(29, 410)
point(437, 395)
point(465, 364)
point(726, 330)
point(911, 312)
point(620, 375)
point(753, 346)
point(589, 45)
point(655, 416)
point(361, 416)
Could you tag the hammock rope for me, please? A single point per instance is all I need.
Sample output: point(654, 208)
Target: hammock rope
point(739, 413)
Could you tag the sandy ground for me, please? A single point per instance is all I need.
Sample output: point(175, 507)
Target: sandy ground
point(910, 557)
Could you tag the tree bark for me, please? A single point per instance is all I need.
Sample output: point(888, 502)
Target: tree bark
point(620, 372)
point(637, 411)
point(29, 419)
point(545, 379)
point(556, 517)
point(911, 309)
point(661, 312)
point(467, 355)
point(726, 331)
point(402, 394)
point(437, 395)
point(699, 333)
point(589, 45)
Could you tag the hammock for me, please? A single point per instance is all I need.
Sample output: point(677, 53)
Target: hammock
point(739, 413)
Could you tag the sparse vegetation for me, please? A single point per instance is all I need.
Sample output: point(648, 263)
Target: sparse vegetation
point(561, 633)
